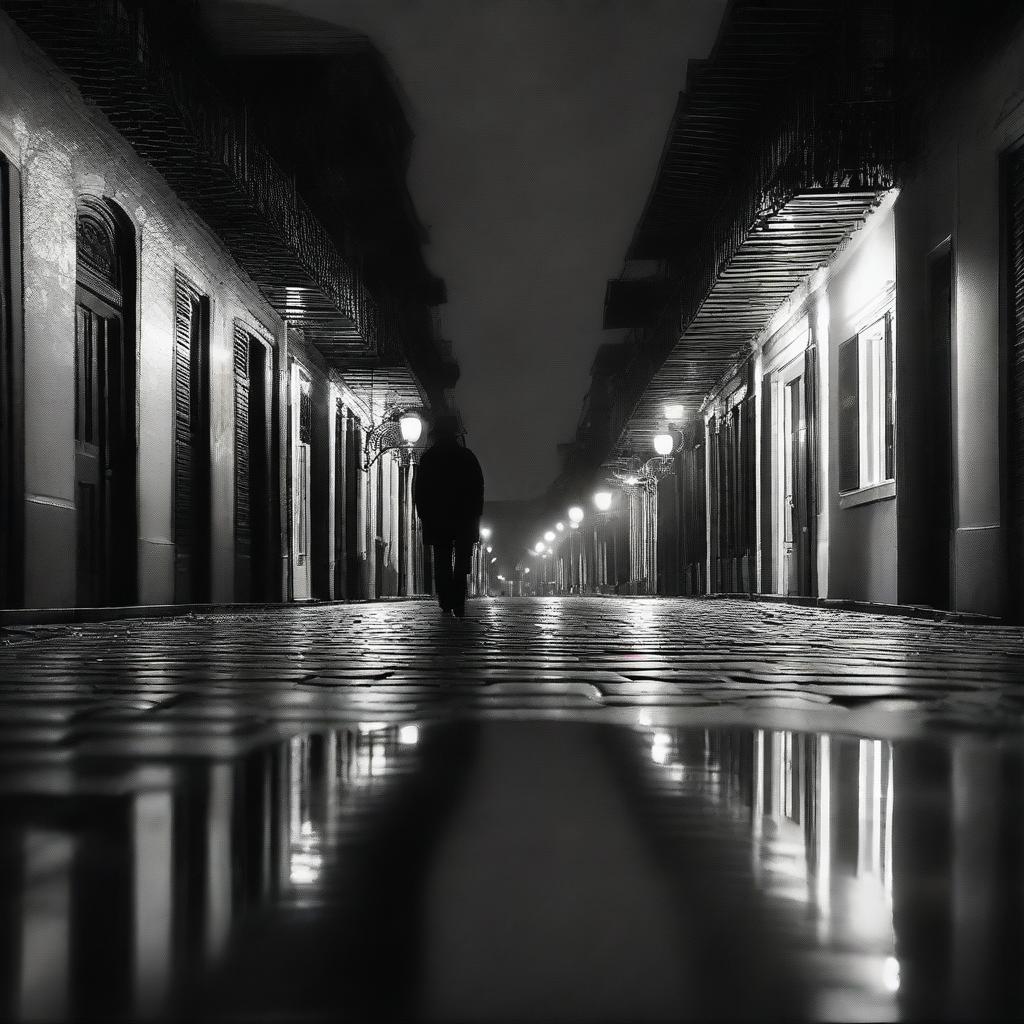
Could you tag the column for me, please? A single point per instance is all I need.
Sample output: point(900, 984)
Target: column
point(362, 519)
point(397, 532)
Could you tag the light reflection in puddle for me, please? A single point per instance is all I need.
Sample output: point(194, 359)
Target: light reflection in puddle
point(893, 870)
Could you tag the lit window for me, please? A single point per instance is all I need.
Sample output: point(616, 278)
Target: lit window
point(866, 407)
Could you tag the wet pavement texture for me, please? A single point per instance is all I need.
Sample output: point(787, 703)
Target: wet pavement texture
point(555, 809)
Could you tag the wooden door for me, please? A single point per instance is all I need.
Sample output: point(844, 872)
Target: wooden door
point(101, 473)
point(192, 513)
point(302, 426)
point(341, 485)
point(1015, 382)
point(793, 518)
point(256, 522)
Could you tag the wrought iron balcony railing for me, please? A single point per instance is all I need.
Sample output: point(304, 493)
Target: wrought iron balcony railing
point(133, 60)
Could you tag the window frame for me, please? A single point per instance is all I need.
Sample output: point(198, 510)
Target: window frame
point(876, 414)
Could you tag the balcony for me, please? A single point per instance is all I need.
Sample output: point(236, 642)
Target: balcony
point(766, 205)
point(133, 61)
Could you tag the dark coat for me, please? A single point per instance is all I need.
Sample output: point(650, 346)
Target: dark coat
point(449, 493)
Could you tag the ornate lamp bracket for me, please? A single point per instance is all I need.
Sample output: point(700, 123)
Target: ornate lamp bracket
point(645, 474)
point(387, 436)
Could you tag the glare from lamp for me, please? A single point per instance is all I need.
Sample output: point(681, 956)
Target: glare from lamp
point(539, 546)
point(559, 527)
point(603, 500)
point(549, 535)
point(663, 444)
point(485, 532)
point(576, 515)
point(411, 426)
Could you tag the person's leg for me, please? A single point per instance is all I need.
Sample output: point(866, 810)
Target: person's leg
point(443, 574)
point(463, 562)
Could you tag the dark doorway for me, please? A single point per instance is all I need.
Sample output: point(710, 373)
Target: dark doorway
point(192, 513)
point(1015, 381)
point(796, 494)
point(256, 510)
point(104, 409)
point(937, 522)
point(342, 483)
point(357, 480)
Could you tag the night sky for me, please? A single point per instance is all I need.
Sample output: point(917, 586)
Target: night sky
point(539, 126)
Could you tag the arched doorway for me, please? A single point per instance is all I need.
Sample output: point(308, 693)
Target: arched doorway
point(105, 456)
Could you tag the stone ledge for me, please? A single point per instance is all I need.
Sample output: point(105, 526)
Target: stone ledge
point(63, 616)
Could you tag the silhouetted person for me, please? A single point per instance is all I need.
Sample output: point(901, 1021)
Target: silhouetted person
point(449, 496)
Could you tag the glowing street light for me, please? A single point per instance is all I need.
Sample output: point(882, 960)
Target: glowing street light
point(603, 500)
point(411, 427)
point(576, 515)
point(538, 547)
point(549, 535)
point(485, 532)
point(559, 527)
point(632, 480)
point(663, 444)
point(489, 549)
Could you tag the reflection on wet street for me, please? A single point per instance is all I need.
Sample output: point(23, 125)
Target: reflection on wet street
point(490, 868)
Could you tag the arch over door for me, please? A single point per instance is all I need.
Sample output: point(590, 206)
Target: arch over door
point(105, 450)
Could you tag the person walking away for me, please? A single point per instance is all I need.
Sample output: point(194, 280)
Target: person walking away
point(449, 498)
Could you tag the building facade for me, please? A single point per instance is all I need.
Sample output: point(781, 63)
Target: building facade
point(821, 301)
point(198, 381)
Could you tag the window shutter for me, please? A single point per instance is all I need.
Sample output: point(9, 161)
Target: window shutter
point(185, 308)
point(243, 519)
point(849, 415)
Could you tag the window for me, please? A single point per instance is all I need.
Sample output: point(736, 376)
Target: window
point(867, 408)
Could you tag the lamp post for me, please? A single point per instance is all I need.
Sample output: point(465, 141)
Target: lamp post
point(575, 518)
point(603, 504)
point(485, 535)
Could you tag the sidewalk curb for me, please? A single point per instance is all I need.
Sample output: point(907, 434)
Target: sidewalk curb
point(910, 611)
point(71, 616)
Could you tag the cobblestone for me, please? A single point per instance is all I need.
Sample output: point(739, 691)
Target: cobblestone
point(208, 683)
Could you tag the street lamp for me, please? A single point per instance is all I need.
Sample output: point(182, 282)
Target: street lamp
point(485, 532)
point(549, 535)
point(538, 547)
point(411, 427)
point(663, 444)
point(603, 500)
point(576, 515)
point(559, 527)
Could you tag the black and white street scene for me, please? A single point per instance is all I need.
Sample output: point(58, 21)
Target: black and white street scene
point(511, 510)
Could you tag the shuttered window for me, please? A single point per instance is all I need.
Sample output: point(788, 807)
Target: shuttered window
point(867, 420)
point(243, 523)
point(1015, 372)
point(849, 416)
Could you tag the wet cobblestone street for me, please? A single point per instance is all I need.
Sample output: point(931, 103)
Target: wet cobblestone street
point(564, 809)
point(210, 679)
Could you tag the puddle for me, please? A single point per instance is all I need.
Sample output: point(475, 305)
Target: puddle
point(502, 869)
